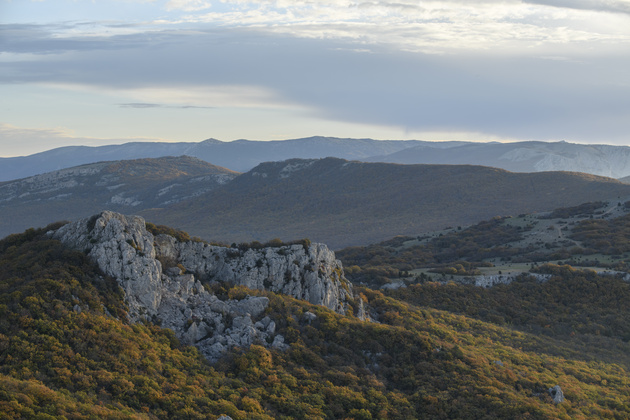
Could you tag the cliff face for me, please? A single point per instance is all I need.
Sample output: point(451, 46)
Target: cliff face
point(125, 250)
point(308, 272)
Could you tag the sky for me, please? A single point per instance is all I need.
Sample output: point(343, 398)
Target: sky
point(96, 72)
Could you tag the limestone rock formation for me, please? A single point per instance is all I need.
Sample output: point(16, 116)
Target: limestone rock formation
point(309, 272)
point(557, 394)
point(175, 298)
point(493, 280)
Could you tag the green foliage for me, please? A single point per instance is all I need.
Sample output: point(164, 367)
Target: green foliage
point(376, 264)
point(583, 210)
point(460, 268)
point(180, 235)
point(92, 222)
point(585, 311)
point(604, 236)
point(274, 243)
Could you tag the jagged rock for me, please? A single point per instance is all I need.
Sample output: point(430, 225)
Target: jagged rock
point(311, 273)
point(254, 306)
point(309, 316)
point(394, 285)
point(224, 417)
point(278, 343)
point(125, 250)
point(361, 312)
point(557, 394)
point(492, 280)
point(174, 271)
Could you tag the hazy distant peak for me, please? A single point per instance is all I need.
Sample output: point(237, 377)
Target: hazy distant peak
point(243, 155)
point(211, 141)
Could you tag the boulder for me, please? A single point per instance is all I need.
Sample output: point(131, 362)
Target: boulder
point(557, 394)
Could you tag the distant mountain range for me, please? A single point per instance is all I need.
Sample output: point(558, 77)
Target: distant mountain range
point(531, 156)
point(240, 155)
point(126, 186)
point(243, 155)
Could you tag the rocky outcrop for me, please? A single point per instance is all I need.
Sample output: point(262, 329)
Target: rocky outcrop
point(479, 281)
point(123, 249)
point(492, 280)
point(557, 394)
point(176, 298)
point(305, 271)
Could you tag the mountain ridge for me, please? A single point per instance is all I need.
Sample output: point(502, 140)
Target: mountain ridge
point(530, 156)
point(238, 155)
point(76, 192)
point(161, 277)
point(243, 155)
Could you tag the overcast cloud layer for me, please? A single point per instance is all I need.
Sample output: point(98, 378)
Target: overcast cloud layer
point(72, 70)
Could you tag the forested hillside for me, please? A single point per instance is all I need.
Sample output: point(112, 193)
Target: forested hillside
point(593, 235)
point(66, 349)
point(344, 203)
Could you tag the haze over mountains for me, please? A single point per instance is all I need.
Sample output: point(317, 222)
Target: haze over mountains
point(532, 156)
point(239, 155)
point(243, 155)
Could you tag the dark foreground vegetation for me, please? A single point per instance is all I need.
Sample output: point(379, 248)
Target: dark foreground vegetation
point(67, 351)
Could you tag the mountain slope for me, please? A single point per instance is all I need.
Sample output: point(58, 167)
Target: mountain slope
point(240, 155)
point(605, 160)
point(347, 203)
point(67, 350)
point(121, 186)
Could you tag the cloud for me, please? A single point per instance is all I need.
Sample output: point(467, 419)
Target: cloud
point(507, 95)
point(188, 5)
point(141, 105)
point(12, 132)
point(509, 68)
point(22, 141)
point(430, 27)
point(612, 6)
